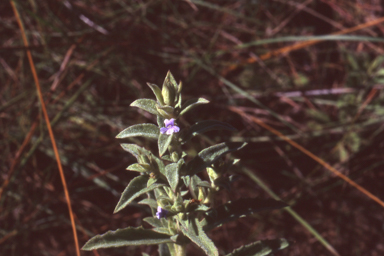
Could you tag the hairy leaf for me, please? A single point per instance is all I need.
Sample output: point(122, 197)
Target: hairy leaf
point(208, 156)
point(126, 237)
point(237, 209)
point(140, 130)
point(193, 230)
point(135, 150)
point(170, 80)
point(189, 104)
point(260, 248)
point(157, 91)
point(204, 126)
point(137, 168)
point(150, 202)
point(172, 173)
point(147, 105)
point(163, 143)
point(135, 188)
point(161, 225)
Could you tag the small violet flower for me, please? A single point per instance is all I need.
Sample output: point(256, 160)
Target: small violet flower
point(170, 127)
point(161, 213)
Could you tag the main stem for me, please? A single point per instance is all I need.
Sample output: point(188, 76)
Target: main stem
point(180, 250)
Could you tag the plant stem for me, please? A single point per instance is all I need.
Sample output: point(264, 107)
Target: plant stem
point(180, 250)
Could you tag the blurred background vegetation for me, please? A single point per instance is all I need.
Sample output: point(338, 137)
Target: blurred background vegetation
point(93, 58)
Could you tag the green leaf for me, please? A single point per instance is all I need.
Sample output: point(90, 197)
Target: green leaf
point(150, 202)
point(166, 111)
point(189, 104)
point(147, 105)
point(151, 181)
point(193, 230)
point(136, 151)
point(208, 156)
point(159, 163)
point(169, 89)
point(161, 225)
point(172, 175)
point(204, 126)
point(126, 237)
point(155, 222)
point(172, 172)
point(135, 188)
point(167, 158)
point(192, 185)
point(260, 248)
point(160, 121)
point(137, 168)
point(238, 209)
point(163, 143)
point(170, 80)
point(157, 91)
point(140, 130)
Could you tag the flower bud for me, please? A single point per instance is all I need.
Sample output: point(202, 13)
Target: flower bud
point(168, 93)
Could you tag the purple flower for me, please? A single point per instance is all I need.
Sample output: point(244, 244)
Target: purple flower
point(161, 213)
point(170, 127)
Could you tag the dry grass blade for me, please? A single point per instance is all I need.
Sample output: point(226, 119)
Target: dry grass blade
point(308, 153)
point(37, 83)
point(17, 157)
point(287, 49)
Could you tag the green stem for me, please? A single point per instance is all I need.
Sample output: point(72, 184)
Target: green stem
point(180, 250)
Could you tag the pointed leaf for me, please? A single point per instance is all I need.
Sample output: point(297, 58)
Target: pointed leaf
point(167, 157)
point(193, 230)
point(169, 90)
point(161, 225)
point(135, 188)
point(163, 143)
point(155, 222)
point(126, 237)
point(170, 80)
point(150, 202)
point(137, 168)
point(160, 121)
point(260, 248)
point(140, 130)
point(172, 172)
point(189, 104)
point(204, 126)
point(193, 188)
point(147, 105)
point(208, 156)
point(157, 91)
point(136, 151)
point(238, 209)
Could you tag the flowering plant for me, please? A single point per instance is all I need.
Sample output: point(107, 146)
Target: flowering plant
point(181, 202)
